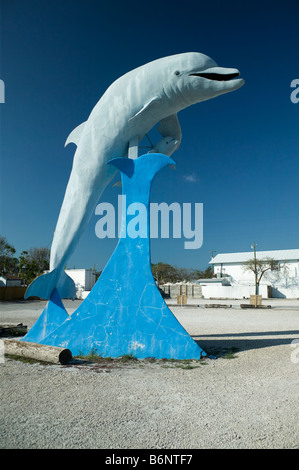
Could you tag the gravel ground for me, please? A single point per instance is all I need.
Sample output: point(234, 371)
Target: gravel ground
point(245, 398)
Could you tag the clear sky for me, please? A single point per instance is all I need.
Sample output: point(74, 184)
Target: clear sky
point(239, 154)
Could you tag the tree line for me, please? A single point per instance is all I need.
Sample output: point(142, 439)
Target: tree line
point(27, 266)
point(164, 273)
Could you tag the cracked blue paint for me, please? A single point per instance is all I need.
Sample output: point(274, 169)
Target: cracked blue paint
point(124, 312)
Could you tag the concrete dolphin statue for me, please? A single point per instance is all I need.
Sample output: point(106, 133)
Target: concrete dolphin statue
point(128, 110)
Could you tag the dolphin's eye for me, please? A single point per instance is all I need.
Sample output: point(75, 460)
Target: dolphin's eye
point(177, 72)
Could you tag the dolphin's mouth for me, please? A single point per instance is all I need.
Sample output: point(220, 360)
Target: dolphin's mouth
point(219, 77)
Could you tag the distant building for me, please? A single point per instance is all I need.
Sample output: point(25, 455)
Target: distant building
point(10, 280)
point(283, 282)
point(84, 280)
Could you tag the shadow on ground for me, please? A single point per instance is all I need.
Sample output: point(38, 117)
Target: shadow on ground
point(220, 345)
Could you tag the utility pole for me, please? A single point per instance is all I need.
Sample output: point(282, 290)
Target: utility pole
point(255, 270)
point(255, 273)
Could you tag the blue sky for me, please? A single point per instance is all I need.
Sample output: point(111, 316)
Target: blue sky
point(239, 154)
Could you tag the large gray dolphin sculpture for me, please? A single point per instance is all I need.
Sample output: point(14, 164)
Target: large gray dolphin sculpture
point(128, 110)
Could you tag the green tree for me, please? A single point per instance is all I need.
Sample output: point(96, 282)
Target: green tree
point(8, 262)
point(40, 257)
point(33, 263)
point(164, 273)
point(206, 274)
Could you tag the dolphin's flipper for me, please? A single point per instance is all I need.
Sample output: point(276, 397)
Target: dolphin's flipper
point(170, 126)
point(75, 135)
point(43, 286)
point(146, 107)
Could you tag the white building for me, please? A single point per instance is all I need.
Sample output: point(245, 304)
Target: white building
point(282, 282)
point(10, 281)
point(84, 280)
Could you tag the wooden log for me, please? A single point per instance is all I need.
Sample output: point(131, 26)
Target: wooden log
point(217, 306)
point(39, 352)
point(253, 306)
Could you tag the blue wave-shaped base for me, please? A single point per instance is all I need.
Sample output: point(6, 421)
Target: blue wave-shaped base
point(125, 312)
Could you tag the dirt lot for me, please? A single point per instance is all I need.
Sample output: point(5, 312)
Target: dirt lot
point(247, 397)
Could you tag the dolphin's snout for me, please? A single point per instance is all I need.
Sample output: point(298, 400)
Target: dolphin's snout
point(218, 74)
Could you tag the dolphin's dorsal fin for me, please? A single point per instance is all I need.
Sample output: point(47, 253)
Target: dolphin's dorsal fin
point(75, 135)
point(147, 106)
point(170, 126)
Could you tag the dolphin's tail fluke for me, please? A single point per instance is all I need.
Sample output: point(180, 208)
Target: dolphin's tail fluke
point(43, 286)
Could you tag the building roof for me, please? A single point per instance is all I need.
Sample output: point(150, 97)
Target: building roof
point(10, 277)
point(277, 255)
